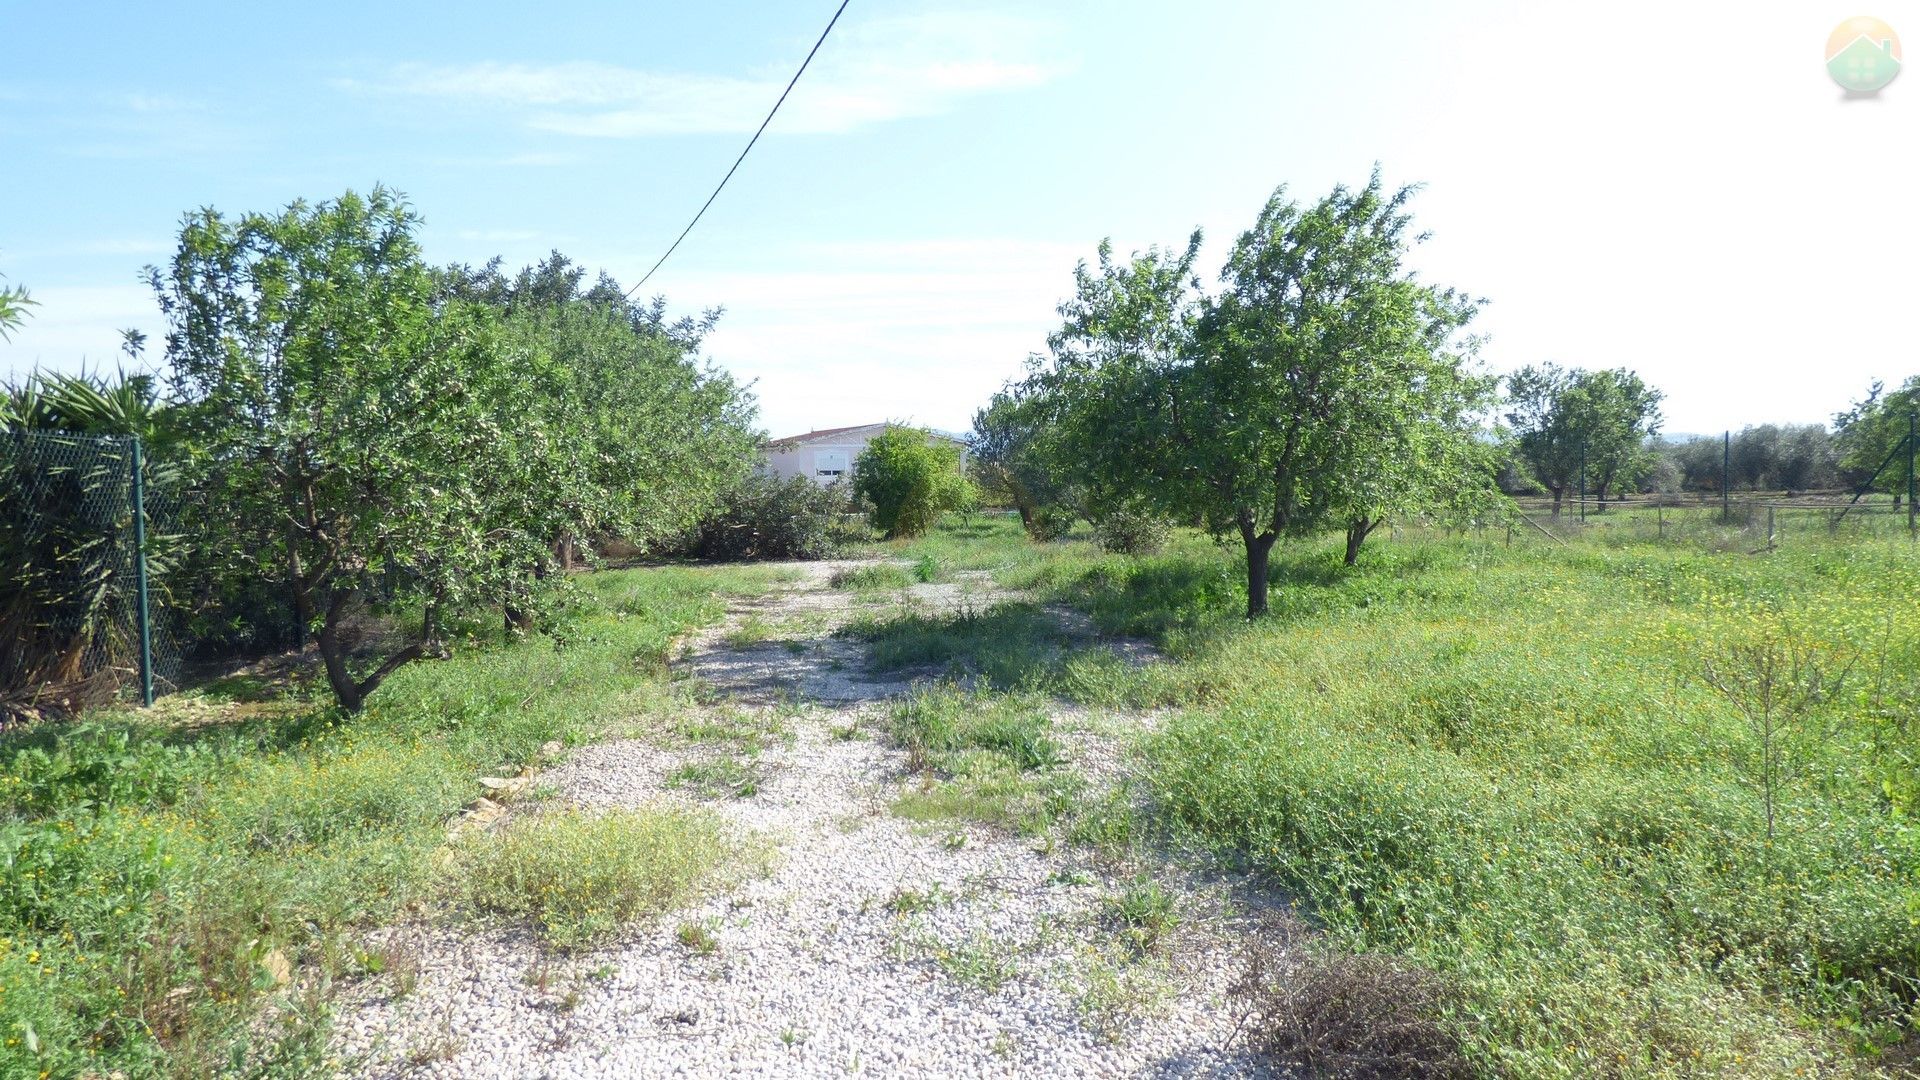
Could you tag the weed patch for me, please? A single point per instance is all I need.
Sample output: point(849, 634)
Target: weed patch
point(580, 876)
point(720, 778)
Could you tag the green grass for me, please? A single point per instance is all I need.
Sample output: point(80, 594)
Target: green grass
point(910, 901)
point(992, 542)
point(1144, 912)
point(1010, 644)
point(1504, 765)
point(752, 631)
point(745, 731)
point(720, 778)
point(152, 864)
point(979, 962)
point(940, 727)
point(984, 757)
point(579, 877)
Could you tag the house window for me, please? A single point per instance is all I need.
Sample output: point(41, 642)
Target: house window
point(830, 464)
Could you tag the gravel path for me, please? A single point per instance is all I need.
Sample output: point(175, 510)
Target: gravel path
point(875, 946)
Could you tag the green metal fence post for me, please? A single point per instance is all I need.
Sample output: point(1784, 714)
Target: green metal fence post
point(140, 573)
point(1726, 476)
point(1913, 444)
point(1583, 482)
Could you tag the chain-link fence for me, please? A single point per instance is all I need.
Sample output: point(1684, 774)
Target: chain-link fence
point(83, 574)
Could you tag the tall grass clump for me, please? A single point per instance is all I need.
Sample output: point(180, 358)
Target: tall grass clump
point(580, 876)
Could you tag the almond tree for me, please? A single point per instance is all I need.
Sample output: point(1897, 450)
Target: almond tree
point(1324, 387)
point(339, 419)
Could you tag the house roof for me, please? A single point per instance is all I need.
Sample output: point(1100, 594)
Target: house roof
point(795, 440)
point(827, 433)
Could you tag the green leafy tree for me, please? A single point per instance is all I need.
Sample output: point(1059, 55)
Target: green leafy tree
point(1313, 392)
point(911, 477)
point(1006, 459)
point(619, 430)
point(1868, 434)
point(1791, 457)
point(342, 421)
point(1567, 420)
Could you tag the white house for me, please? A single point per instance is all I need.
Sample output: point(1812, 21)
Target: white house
point(826, 455)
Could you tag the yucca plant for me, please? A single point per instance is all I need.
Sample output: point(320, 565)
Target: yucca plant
point(66, 556)
point(14, 303)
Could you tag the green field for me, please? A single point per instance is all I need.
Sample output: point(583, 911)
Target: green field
point(1510, 765)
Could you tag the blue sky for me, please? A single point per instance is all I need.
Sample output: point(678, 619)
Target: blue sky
point(1681, 192)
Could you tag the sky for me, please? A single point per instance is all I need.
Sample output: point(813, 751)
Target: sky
point(1678, 189)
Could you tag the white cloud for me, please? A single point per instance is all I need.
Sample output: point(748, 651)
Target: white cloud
point(872, 72)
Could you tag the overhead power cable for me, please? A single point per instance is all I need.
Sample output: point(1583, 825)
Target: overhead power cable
point(749, 147)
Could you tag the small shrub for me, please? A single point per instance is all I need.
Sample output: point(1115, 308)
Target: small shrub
point(1049, 523)
point(765, 518)
point(580, 876)
point(910, 479)
point(1344, 1016)
point(926, 570)
point(697, 938)
point(1131, 532)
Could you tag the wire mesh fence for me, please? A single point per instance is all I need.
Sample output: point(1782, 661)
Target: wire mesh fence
point(75, 574)
point(1750, 521)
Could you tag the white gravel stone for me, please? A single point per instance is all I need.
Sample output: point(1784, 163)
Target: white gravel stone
point(815, 972)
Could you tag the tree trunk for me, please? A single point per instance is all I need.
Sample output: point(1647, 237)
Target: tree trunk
point(345, 689)
point(516, 618)
point(352, 694)
point(1258, 548)
point(1357, 532)
point(1557, 493)
point(297, 594)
